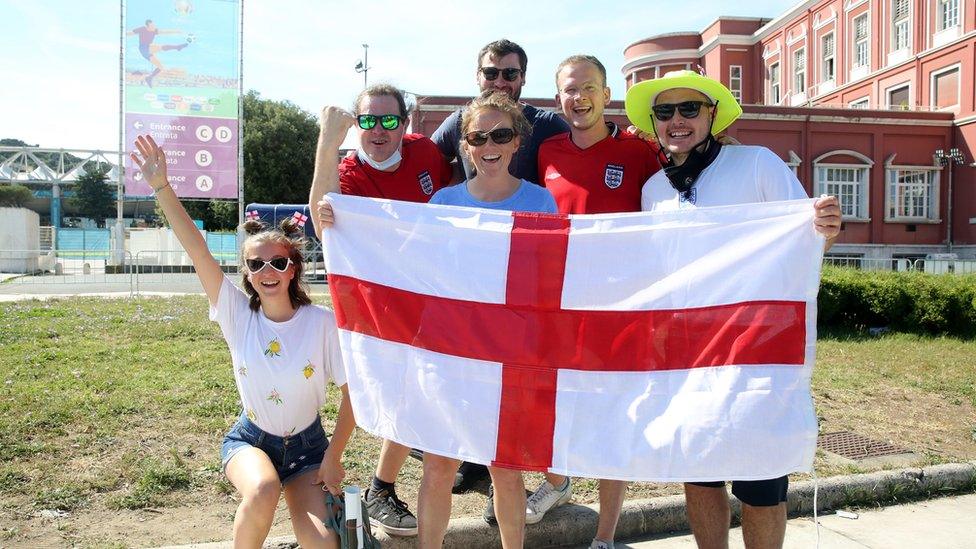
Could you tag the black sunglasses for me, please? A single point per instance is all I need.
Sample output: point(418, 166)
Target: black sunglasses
point(387, 121)
point(491, 73)
point(279, 264)
point(687, 109)
point(499, 136)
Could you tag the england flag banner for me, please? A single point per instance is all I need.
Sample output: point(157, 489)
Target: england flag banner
point(672, 346)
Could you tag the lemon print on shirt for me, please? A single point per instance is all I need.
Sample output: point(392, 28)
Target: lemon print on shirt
point(250, 414)
point(309, 370)
point(274, 348)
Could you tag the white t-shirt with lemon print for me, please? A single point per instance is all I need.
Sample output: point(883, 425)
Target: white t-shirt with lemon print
point(281, 368)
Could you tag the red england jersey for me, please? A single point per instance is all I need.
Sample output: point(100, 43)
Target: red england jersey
point(422, 172)
point(604, 178)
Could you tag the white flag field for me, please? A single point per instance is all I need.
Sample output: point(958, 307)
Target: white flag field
point(672, 346)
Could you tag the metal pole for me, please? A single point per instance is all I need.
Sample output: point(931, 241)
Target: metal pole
point(240, 128)
point(119, 187)
point(365, 64)
point(949, 211)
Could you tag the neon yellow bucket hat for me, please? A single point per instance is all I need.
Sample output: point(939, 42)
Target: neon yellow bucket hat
point(641, 96)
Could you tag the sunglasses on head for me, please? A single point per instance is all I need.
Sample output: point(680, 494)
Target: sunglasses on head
point(499, 136)
point(280, 264)
point(687, 109)
point(491, 73)
point(387, 121)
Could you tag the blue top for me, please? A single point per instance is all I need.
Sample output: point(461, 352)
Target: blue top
point(525, 164)
point(529, 197)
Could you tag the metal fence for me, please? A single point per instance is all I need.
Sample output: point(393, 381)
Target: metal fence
point(63, 267)
point(904, 264)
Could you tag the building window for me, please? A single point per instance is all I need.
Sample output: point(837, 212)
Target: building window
point(800, 71)
point(948, 14)
point(827, 72)
point(735, 82)
point(861, 41)
point(774, 84)
point(849, 185)
point(945, 88)
point(861, 103)
point(912, 194)
point(901, 10)
point(899, 98)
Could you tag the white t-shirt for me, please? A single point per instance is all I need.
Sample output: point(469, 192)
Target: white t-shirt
point(281, 368)
point(741, 174)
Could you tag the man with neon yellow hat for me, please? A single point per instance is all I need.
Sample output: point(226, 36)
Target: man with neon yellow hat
point(684, 111)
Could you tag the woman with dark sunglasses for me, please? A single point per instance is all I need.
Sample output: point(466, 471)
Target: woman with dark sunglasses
point(492, 127)
point(284, 351)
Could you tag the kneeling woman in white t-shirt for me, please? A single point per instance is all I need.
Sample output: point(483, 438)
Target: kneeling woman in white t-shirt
point(284, 352)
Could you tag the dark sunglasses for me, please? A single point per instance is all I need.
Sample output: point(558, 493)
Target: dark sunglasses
point(387, 121)
point(687, 109)
point(499, 136)
point(279, 264)
point(491, 73)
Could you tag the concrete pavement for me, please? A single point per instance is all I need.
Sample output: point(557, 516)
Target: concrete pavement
point(948, 523)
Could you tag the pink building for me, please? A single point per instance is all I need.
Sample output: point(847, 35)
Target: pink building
point(858, 96)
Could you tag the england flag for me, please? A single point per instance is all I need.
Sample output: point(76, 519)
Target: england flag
point(670, 346)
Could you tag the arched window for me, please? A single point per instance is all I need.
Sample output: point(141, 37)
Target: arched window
point(846, 175)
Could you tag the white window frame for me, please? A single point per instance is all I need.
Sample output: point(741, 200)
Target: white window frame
point(832, 58)
point(940, 11)
point(735, 83)
point(865, 42)
point(862, 192)
point(775, 88)
point(862, 103)
point(904, 23)
point(931, 188)
point(933, 93)
point(800, 76)
point(896, 87)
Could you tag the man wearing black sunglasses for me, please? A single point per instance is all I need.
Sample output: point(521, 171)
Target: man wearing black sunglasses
point(392, 164)
point(684, 111)
point(501, 69)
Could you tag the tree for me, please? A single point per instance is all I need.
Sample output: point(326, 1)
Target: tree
point(93, 198)
point(15, 196)
point(279, 150)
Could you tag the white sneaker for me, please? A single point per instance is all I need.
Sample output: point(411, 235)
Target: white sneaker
point(600, 544)
point(545, 497)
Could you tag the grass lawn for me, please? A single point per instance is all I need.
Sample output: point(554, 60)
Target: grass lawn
point(113, 411)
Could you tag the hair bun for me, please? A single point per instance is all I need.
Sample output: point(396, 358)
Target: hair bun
point(291, 229)
point(254, 226)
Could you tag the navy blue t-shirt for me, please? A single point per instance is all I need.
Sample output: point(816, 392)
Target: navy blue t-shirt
point(524, 165)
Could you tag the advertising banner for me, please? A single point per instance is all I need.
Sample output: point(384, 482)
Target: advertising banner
point(182, 86)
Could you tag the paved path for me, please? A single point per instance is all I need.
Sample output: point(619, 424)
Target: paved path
point(948, 523)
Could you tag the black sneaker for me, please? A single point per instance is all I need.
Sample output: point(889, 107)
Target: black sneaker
point(489, 514)
point(468, 476)
point(386, 511)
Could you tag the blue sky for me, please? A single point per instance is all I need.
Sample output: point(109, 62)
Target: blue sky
point(61, 57)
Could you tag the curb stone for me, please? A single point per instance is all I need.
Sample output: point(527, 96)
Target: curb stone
point(575, 524)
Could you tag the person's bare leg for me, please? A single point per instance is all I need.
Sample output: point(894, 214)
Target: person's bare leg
point(392, 458)
point(509, 505)
point(764, 527)
point(306, 504)
point(254, 476)
point(612, 494)
point(434, 500)
point(709, 515)
point(554, 479)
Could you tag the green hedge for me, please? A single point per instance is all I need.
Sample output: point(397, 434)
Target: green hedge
point(904, 302)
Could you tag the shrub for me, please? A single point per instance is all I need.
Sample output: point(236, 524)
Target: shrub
point(906, 302)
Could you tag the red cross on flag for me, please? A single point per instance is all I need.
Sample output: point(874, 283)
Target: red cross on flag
point(673, 346)
point(252, 215)
point(299, 218)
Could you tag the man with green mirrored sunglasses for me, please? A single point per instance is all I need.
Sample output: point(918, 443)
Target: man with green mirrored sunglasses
point(388, 163)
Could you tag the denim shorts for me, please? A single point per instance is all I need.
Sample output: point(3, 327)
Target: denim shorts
point(291, 455)
point(758, 493)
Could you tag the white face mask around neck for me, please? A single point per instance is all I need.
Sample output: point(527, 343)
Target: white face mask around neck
point(383, 166)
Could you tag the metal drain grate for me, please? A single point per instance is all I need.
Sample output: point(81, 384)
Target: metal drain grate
point(854, 446)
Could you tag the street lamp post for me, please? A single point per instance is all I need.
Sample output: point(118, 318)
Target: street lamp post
point(363, 66)
point(951, 159)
